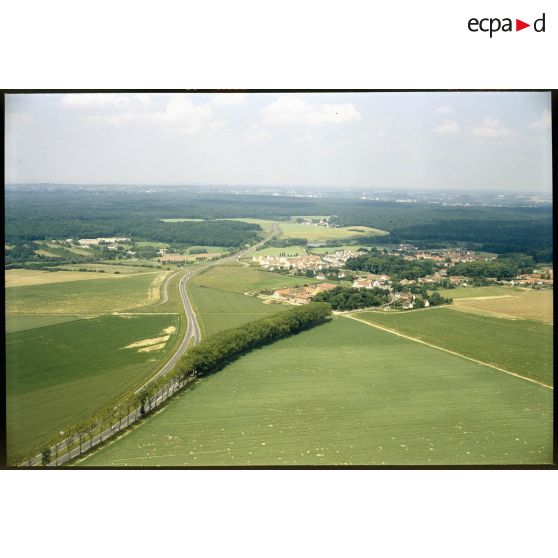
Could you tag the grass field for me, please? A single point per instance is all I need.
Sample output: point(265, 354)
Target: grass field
point(345, 393)
point(317, 233)
point(521, 346)
point(59, 374)
point(523, 304)
point(28, 277)
point(218, 310)
point(289, 251)
point(180, 220)
point(20, 322)
point(93, 296)
point(107, 268)
point(240, 279)
point(329, 249)
point(292, 229)
point(480, 292)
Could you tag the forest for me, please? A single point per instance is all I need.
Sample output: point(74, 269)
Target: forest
point(347, 298)
point(377, 261)
point(41, 212)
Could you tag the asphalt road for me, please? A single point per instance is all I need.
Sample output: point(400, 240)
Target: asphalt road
point(193, 335)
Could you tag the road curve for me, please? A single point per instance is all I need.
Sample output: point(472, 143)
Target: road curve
point(193, 332)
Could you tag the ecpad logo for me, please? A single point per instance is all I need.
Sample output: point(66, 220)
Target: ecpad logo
point(493, 25)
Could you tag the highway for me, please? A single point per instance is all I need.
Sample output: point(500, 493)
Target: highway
point(193, 335)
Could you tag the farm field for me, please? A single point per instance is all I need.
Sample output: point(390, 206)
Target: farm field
point(480, 292)
point(317, 233)
point(206, 249)
point(329, 249)
point(218, 310)
point(93, 296)
point(298, 402)
point(292, 229)
point(240, 279)
point(28, 277)
point(59, 374)
point(20, 322)
point(289, 251)
point(106, 268)
point(524, 304)
point(521, 346)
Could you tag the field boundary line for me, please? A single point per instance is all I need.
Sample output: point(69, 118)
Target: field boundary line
point(416, 340)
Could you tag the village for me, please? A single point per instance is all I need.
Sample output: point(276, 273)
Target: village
point(404, 293)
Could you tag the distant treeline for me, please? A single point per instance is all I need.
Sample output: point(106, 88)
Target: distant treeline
point(531, 236)
point(377, 261)
point(33, 215)
point(347, 298)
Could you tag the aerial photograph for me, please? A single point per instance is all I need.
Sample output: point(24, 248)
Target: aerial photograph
point(278, 279)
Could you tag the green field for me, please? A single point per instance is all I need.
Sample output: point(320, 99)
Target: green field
point(317, 233)
point(345, 393)
point(289, 251)
point(218, 310)
point(94, 296)
point(59, 374)
point(240, 279)
point(521, 346)
point(122, 269)
point(329, 249)
point(474, 292)
point(17, 322)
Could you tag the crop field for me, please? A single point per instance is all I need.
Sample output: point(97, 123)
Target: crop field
point(240, 279)
point(28, 277)
point(521, 346)
point(93, 296)
point(59, 374)
point(288, 251)
point(329, 249)
point(218, 310)
point(181, 220)
point(480, 292)
point(21, 322)
point(292, 229)
point(206, 249)
point(317, 233)
point(344, 393)
point(122, 269)
point(523, 304)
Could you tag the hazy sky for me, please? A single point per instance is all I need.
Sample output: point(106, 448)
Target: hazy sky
point(373, 140)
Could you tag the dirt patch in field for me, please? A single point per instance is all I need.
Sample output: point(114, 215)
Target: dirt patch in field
point(152, 348)
point(148, 342)
point(169, 330)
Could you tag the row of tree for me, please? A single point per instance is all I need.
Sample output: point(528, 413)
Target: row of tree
point(209, 356)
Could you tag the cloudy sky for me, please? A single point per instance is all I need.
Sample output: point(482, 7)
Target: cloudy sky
point(361, 140)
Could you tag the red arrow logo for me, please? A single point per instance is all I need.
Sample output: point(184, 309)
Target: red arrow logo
point(519, 25)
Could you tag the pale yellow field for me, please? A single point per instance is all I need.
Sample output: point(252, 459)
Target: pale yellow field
point(26, 277)
point(527, 303)
point(46, 253)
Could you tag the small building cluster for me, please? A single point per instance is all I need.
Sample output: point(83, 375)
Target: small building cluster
point(302, 295)
point(301, 264)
